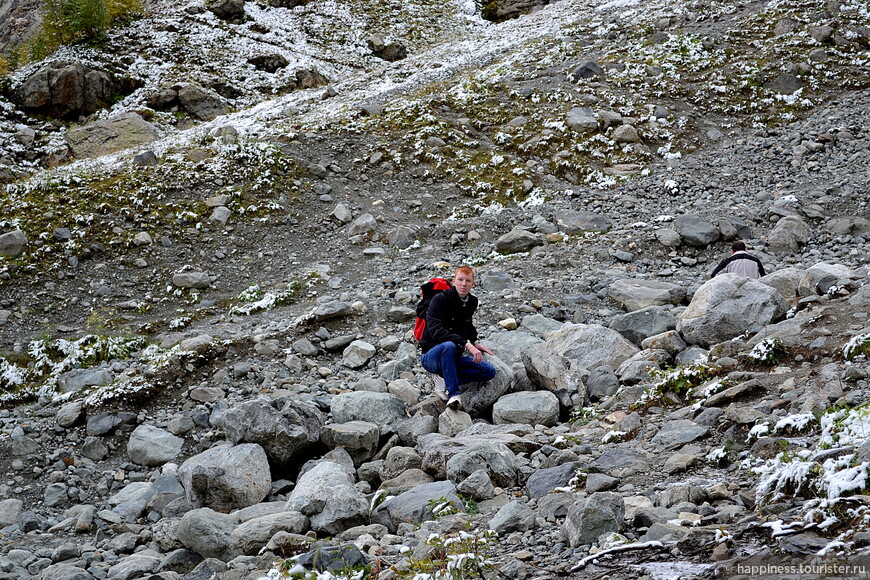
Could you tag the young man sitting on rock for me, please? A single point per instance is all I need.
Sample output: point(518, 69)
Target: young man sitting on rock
point(449, 334)
point(739, 262)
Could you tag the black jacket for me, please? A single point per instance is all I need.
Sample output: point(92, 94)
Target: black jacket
point(449, 319)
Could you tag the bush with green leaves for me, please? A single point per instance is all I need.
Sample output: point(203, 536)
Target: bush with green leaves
point(677, 384)
point(456, 557)
point(768, 351)
point(253, 299)
point(858, 346)
point(827, 481)
point(36, 371)
point(71, 21)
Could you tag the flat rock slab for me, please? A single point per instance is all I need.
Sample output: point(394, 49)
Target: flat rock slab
point(620, 463)
point(115, 134)
point(677, 433)
point(733, 393)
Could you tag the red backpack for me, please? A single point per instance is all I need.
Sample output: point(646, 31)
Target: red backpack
point(427, 291)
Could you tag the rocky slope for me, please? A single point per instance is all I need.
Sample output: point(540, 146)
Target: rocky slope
point(230, 255)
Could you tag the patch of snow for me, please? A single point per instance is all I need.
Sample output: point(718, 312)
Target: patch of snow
point(673, 570)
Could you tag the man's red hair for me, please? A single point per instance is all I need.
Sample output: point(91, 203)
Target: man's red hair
point(464, 270)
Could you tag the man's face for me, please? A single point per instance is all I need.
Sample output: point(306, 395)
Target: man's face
point(463, 284)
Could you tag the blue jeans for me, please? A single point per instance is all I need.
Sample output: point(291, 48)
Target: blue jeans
point(447, 360)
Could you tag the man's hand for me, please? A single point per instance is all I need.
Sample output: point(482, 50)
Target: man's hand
point(476, 351)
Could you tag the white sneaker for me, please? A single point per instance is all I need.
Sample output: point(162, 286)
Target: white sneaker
point(438, 384)
point(455, 402)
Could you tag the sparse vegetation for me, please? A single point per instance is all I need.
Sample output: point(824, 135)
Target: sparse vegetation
point(253, 299)
point(70, 21)
point(676, 385)
point(827, 481)
point(768, 351)
point(456, 557)
point(858, 346)
point(38, 370)
point(442, 507)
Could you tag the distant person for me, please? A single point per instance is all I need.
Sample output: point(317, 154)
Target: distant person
point(740, 262)
point(449, 334)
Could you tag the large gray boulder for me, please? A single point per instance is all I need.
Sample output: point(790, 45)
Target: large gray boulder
point(364, 225)
point(436, 450)
point(498, 461)
point(578, 222)
point(227, 477)
point(12, 243)
point(849, 226)
point(591, 345)
point(696, 231)
point(540, 325)
point(282, 427)
point(249, 537)
point(582, 120)
point(152, 446)
point(677, 433)
point(819, 277)
point(191, 279)
point(528, 408)
point(861, 297)
point(67, 89)
point(478, 397)
point(786, 281)
point(10, 511)
point(358, 438)
point(546, 480)
point(201, 103)
point(327, 495)
point(727, 306)
point(117, 133)
point(208, 533)
point(788, 236)
point(229, 10)
point(414, 505)
point(600, 513)
point(357, 354)
point(509, 346)
point(640, 324)
point(499, 10)
point(637, 293)
point(620, 462)
point(139, 565)
point(77, 379)
point(515, 516)
point(385, 410)
point(517, 240)
point(555, 373)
